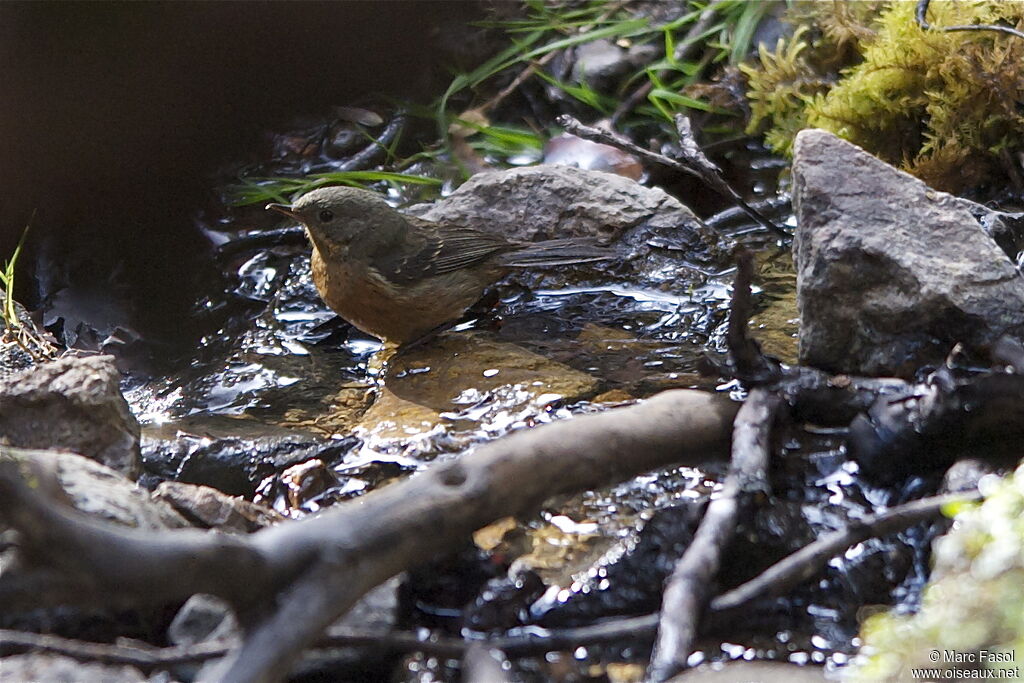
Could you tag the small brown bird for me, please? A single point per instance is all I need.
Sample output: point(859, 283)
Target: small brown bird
point(400, 277)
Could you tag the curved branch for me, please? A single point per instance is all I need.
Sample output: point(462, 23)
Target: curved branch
point(292, 581)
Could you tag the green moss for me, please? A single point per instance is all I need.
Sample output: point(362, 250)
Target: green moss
point(946, 106)
point(973, 605)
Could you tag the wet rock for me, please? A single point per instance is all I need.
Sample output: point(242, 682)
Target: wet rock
point(312, 485)
point(234, 465)
point(439, 374)
point(73, 404)
point(891, 274)
point(601, 65)
point(657, 237)
point(202, 618)
point(98, 490)
point(208, 507)
point(391, 417)
point(598, 61)
point(628, 579)
point(60, 669)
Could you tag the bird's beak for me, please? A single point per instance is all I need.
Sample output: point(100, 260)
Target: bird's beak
point(286, 209)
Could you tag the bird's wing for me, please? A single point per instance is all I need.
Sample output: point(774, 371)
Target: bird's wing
point(433, 249)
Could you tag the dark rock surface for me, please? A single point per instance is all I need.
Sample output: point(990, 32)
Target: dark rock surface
point(233, 465)
point(891, 274)
point(73, 404)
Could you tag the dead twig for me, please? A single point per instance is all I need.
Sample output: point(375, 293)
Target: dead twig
point(694, 163)
point(369, 155)
point(805, 563)
point(690, 586)
point(781, 577)
point(921, 17)
point(748, 362)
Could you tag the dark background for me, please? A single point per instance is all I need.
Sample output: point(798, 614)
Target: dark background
point(114, 116)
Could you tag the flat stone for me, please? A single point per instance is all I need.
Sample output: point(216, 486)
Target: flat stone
point(890, 273)
point(439, 374)
point(462, 368)
point(72, 404)
point(99, 491)
point(391, 417)
point(207, 507)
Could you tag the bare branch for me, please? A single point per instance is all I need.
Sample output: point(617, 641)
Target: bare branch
point(690, 586)
point(707, 173)
point(292, 581)
point(809, 560)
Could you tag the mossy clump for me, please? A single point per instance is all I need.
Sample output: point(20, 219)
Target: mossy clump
point(972, 616)
point(946, 106)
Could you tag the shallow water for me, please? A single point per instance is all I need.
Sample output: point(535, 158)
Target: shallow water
point(323, 414)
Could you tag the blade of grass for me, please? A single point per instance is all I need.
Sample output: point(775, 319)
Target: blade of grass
point(10, 313)
point(744, 29)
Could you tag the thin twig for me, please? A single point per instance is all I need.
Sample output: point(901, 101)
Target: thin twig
point(748, 362)
point(265, 239)
point(921, 17)
point(710, 176)
point(368, 156)
point(517, 81)
point(689, 588)
point(808, 561)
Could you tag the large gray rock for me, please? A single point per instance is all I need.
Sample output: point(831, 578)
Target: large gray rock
point(890, 273)
point(548, 201)
point(73, 404)
point(656, 237)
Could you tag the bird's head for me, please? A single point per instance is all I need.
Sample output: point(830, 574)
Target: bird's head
point(335, 217)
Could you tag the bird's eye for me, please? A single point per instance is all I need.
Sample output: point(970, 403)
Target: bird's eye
point(326, 216)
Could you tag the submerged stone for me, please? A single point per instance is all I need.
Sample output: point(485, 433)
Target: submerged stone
point(890, 273)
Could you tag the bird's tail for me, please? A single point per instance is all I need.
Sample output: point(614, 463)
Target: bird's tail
point(560, 252)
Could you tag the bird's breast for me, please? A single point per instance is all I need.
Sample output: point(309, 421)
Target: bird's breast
point(398, 313)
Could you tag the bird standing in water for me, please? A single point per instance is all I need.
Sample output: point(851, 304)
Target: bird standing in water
point(400, 277)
